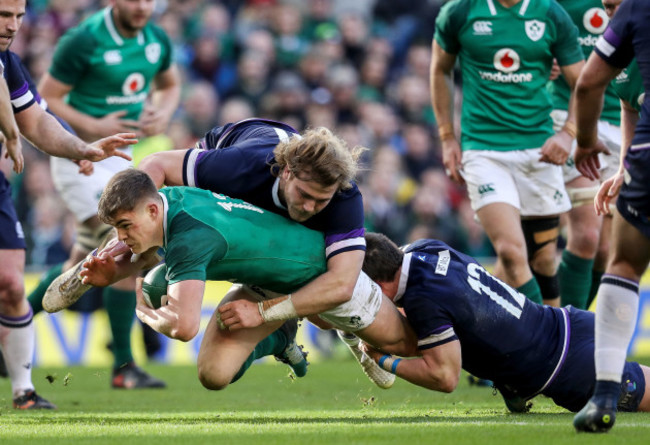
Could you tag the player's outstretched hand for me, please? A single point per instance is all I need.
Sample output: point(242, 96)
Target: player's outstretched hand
point(586, 159)
point(240, 314)
point(607, 193)
point(99, 270)
point(556, 149)
point(109, 146)
point(14, 151)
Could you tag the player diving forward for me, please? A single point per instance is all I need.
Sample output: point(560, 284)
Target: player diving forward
point(464, 316)
point(208, 236)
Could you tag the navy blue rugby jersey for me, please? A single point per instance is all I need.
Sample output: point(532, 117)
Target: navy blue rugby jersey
point(19, 92)
point(627, 37)
point(504, 337)
point(236, 160)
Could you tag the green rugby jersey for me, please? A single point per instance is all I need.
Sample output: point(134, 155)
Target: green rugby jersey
point(505, 57)
point(108, 72)
point(628, 85)
point(209, 236)
point(591, 20)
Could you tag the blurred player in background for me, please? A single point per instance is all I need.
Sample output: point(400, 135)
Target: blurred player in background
point(508, 155)
point(583, 259)
point(627, 37)
point(463, 316)
point(113, 72)
point(43, 130)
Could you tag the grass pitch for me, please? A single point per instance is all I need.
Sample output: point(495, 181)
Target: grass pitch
point(333, 404)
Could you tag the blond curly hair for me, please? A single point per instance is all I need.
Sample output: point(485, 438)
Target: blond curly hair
point(319, 156)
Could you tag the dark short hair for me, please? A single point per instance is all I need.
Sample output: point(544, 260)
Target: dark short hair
point(383, 258)
point(124, 192)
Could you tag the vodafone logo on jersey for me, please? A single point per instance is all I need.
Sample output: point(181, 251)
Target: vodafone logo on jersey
point(134, 82)
point(507, 60)
point(131, 90)
point(595, 20)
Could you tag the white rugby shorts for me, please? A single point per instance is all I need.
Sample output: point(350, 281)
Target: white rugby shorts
point(81, 193)
point(517, 178)
point(356, 314)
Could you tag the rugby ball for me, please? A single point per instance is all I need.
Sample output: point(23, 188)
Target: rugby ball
point(154, 287)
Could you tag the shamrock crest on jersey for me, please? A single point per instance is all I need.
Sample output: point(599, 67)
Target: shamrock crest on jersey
point(535, 29)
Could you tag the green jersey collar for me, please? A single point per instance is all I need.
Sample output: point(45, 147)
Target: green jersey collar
point(522, 9)
point(112, 30)
point(165, 211)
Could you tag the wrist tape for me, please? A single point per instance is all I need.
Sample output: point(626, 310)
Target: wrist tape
point(283, 310)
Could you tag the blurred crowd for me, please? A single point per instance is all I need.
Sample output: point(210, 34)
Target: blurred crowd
point(359, 68)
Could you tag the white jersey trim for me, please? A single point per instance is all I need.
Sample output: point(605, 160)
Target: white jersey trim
point(604, 46)
point(22, 100)
point(493, 10)
point(437, 338)
point(332, 248)
point(275, 194)
point(191, 165)
point(404, 276)
point(112, 30)
point(2, 68)
point(165, 210)
point(524, 7)
point(640, 146)
point(282, 135)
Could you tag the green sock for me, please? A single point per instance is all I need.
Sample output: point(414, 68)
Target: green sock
point(531, 290)
point(575, 279)
point(596, 275)
point(120, 306)
point(36, 297)
point(271, 345)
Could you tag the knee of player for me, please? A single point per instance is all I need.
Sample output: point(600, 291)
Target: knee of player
point(12, 288)
point(211, 379)
point(510, 252)
point(586, 241)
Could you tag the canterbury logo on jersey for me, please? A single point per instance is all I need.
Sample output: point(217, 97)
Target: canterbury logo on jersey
point(482, 28)
point(112, 57)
